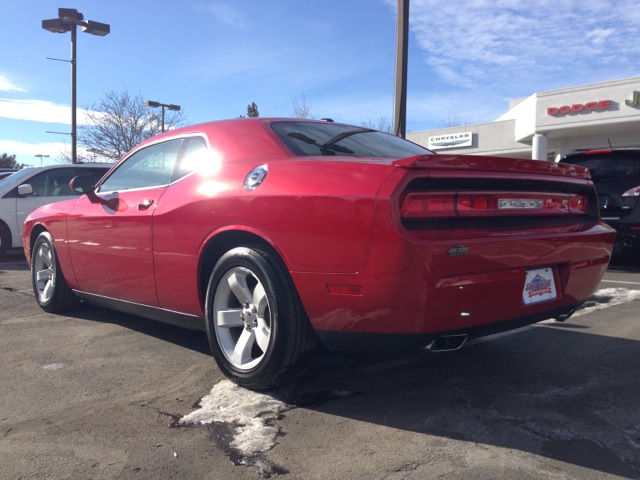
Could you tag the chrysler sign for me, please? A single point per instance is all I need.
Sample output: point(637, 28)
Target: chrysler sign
point(451, 140)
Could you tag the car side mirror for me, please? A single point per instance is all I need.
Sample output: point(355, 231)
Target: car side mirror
point(84, 184)
point(25, 190)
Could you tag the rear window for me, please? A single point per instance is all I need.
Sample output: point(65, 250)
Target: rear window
point(309, 138)
point(601, 166)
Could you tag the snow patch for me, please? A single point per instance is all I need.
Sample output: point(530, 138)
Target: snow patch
point(248, 412)
point(608, 297)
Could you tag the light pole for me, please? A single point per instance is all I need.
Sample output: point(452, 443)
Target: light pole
point(168, 106)
point(402, 55)
point(68, 19)
point(41, 156)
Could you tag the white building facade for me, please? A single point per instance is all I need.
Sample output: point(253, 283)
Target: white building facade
point(549, 124)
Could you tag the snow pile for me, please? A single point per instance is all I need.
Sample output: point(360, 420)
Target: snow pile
point(608, 297)
point(248, 412)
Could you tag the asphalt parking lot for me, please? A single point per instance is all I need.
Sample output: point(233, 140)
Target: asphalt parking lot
point(99, 394)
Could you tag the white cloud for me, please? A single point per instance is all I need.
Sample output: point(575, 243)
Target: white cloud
point(7, 85)
point(25, 152)
point(517, 44)
point(226, 14)
point(38, 111)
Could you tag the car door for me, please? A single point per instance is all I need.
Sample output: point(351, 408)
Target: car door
point(109, 234)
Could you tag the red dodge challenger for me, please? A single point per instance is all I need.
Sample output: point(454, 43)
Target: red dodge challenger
point(275, 234)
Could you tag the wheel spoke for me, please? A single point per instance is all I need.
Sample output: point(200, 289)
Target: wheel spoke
point(260, 300)
point(242, 351)
point(47, 291)
point(229, 318)
point(238, 285)
point(43, 275)
point(44, 255)
point(263, 333)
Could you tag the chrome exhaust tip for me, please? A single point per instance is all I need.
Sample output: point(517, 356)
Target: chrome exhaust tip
point(448, 343)
point(565, 316)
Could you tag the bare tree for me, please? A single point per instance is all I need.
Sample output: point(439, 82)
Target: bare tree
point(301, 109)
point(381, 123)
point(453, 122)
point(117, 123)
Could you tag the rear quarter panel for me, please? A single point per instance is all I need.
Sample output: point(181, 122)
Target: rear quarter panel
point(316, 213)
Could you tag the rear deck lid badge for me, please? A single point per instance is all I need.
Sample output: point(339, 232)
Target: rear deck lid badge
point(458, 250)
point(519, 203)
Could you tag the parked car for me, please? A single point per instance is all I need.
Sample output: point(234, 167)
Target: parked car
point(5, 172)
point(616, 175)
point(272, 234)
point(31, 187)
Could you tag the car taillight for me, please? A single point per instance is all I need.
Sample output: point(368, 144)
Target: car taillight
point(490, 204)
point(634, 192)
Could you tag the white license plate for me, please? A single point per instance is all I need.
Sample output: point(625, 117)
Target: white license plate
point(539, 286)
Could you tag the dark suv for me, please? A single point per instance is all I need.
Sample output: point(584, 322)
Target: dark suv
point(616, 175)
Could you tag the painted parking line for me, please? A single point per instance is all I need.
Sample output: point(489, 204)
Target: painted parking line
point(620, 281)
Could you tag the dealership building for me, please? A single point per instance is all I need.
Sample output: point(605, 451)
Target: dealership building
point(549, 124)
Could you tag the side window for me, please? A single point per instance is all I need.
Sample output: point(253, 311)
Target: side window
point(95, 173)
point(52, 183)
point(193, 154)
point(152, 166)
point(60, 182)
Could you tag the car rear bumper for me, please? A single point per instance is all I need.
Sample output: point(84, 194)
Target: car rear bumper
point(364, 343)
point(423, 289)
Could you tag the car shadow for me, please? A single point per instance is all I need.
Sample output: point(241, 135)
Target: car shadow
point(191, 339)
point(555, 392)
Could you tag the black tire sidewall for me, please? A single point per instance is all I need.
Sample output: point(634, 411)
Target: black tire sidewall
point(5, 239)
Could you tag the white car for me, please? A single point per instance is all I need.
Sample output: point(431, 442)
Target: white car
point(32, 187)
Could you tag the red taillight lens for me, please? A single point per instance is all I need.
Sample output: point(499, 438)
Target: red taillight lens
point(431, 205)
point(490, 204)
point(579, 204)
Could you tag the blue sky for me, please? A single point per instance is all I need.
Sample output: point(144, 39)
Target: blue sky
point(213, 57)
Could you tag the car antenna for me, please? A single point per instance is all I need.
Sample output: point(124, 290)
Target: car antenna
point(609, 141)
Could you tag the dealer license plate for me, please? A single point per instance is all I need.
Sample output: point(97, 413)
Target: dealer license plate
point(539, 286)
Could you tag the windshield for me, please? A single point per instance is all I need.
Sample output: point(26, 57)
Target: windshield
point(311, 138)
point(15, 178)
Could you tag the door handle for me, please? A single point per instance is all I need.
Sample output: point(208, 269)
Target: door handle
point(145, 204)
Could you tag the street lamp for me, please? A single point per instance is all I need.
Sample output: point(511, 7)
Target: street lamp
point(68, 19)
point(41, 156)
point(168, 106)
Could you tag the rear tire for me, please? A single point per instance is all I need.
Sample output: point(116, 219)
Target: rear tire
point(5, 239)
point(49, 286)
point(256, 326)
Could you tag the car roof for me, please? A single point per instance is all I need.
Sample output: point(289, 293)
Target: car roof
point(631, 153)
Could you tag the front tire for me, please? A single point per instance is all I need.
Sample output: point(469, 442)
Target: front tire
point(256, 326)
point(49, 286)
